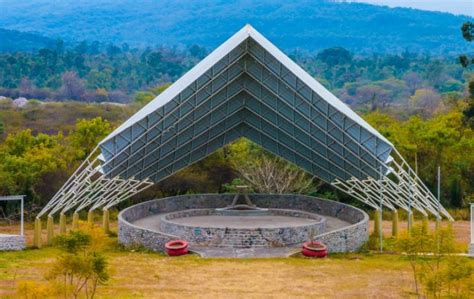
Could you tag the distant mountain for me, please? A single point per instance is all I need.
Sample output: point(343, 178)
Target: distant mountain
point(13, 40)
point(304, 24)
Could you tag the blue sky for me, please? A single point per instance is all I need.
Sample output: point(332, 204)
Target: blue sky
point(464, 7)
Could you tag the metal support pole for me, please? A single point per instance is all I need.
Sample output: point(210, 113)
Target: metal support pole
point(439, 188)
point(410, 212)
point(22, 228)
point(471, 246)
point(411, 219)
point(438, 217)
point(416, 162)
point(472, 227)
point(381, 211)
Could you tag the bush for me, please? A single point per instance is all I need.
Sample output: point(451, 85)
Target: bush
point(35, 290)
point(82, 267)
point(77, 271)
point(434, 267)
point(73, 242)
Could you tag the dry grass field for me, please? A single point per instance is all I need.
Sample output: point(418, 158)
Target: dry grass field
point(138, 274)
point(152, 275)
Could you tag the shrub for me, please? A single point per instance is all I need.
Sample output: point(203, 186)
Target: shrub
point(77, 271)
point(73, 242)
point(35, 290)
point(434, 267)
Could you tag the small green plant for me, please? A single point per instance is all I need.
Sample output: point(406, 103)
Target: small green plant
point(77, 271)
point(73, 242)
point(434, 267)
point(81, 267)
point(452, 278)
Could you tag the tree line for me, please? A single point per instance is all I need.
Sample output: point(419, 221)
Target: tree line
point(90, 71)
point(96, 72)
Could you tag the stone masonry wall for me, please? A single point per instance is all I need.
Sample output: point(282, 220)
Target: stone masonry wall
point(11, 242)
point(242, 237)
point(346, 239)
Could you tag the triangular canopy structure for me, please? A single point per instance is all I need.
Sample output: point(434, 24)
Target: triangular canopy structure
point(246, 88)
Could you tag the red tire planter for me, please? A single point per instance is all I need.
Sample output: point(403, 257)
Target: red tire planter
point(176, 247)
point(314, 249)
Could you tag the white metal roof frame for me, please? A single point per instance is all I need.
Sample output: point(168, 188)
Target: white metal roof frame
point(198, 70)
point(119, 172)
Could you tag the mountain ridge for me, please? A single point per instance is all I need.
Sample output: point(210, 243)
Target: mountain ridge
point(14, 40)
point(300, 24)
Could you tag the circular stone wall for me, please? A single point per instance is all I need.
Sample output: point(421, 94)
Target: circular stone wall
point(346, 228)
point(242, 229)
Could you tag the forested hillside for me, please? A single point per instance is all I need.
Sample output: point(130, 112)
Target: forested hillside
point(302, 24)
point(17, 41)
point(97, 72)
